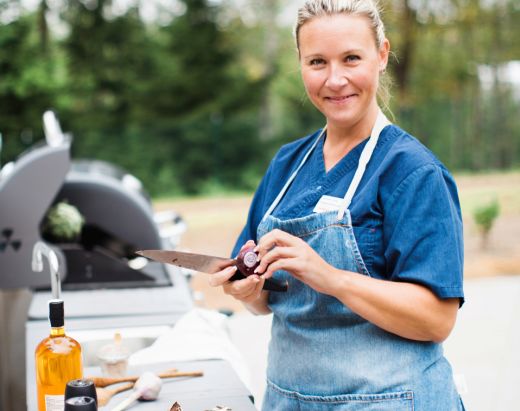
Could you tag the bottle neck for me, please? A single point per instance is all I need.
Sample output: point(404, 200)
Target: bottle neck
point(57, 331)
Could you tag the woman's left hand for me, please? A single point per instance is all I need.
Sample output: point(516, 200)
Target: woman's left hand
point(278, 250)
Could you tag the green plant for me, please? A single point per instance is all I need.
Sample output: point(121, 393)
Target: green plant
point(63, 222)
point(484, 217)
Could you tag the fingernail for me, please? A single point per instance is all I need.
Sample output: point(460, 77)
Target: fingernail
point(232, 268)
point(256, 279)
point(256, 249)
point(256, 269)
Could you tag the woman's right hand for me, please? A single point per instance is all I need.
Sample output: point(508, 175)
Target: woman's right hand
point(248, 290)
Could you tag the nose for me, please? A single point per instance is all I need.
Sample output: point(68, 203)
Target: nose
point(337, 77)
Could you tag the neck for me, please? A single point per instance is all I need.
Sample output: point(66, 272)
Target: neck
point(337, 134)
point(341, 140)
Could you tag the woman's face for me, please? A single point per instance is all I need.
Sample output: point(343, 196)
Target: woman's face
point(340, 66)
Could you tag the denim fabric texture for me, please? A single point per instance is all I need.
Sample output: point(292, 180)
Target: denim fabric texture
point(404, 224)
point(323, 356)
point(405, 213)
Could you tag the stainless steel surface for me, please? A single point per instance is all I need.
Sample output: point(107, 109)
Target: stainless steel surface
point(219, 386)
point(94, 316)
point(25, 195)
point(14, 305)
point(198, 262)
point(40, 250)
point(52, 129)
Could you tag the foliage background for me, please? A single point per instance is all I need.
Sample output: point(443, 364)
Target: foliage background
point(198, 97)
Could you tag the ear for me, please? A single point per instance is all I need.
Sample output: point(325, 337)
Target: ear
point(384, 51)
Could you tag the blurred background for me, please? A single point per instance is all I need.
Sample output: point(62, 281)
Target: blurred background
point(193, 97)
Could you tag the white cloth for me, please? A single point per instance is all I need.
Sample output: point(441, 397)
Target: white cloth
point(200, 334)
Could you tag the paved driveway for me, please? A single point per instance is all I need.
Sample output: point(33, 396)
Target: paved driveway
point(484, 348)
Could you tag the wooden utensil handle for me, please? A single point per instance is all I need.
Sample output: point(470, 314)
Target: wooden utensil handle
point(104, 382)
point(180, 374)
point(104, 395)
point(121, 388)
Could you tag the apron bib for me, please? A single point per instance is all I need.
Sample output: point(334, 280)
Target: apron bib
point(323, 356)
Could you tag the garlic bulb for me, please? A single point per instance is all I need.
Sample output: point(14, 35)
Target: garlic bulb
point(149, 386)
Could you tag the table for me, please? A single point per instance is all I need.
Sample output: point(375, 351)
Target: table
point(219, 385)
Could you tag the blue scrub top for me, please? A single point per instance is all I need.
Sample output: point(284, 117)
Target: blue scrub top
point(405, 212)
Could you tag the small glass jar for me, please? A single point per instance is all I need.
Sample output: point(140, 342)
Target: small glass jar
point(114, 358)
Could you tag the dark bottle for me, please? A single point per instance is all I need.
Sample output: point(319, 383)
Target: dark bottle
point(80, 388)
point(80, 404)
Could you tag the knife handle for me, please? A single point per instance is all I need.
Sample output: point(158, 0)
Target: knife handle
point(269, 284)
point(274, 285)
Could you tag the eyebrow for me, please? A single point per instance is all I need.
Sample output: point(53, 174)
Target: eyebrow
point(319, 55)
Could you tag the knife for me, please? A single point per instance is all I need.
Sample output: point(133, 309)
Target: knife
point(205, 264)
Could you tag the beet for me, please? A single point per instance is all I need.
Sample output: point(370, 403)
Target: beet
point(247, 261)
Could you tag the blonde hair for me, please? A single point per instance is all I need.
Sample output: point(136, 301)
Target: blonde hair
point(365, 8)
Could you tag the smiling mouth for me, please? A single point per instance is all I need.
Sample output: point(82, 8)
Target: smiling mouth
point(340, 99)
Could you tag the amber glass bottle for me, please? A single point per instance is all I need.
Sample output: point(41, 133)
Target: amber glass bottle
point(58, 360)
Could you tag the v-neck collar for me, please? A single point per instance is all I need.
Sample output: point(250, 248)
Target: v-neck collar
point(321, 182)
point(346, 163)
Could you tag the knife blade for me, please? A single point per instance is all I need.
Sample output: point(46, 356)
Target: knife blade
point(205, 264)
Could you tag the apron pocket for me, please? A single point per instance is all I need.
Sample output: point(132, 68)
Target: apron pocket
point(391, 401)
point(278, 398)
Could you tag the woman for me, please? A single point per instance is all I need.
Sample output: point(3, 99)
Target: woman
point(364, 223)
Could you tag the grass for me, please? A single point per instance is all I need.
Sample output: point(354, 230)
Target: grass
point(476, 190)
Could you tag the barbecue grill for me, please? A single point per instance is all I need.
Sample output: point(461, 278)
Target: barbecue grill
point(118, 221)
point(116, 209)
point(105, 288)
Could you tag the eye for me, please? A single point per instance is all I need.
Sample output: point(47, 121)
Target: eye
point(316, 62)
point(352, 58)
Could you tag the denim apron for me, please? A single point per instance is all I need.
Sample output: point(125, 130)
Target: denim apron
point(323, 356)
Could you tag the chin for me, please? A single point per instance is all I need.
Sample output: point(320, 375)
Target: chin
point(342, 121)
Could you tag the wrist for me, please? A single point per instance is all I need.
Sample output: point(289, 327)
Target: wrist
point(258, 306)
point(342, 283)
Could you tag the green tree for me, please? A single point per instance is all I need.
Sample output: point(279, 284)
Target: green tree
point(210, 102)
point(112, 67)
point(202, 58)
point(29, 84)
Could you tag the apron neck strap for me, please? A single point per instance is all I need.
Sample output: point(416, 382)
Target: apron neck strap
point(366, 154)
point(381, 123)
point(293, 176)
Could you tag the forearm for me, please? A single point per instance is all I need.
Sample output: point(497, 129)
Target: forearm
point(259, 306)
point(408, 310)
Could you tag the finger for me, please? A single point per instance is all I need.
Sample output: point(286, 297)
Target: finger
point(222, 277)
point(287, 264)
point(274, 238)
point(248, 243)
point(275, 254)
point(246, 289)
point(255, 295)
point(240, 288)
